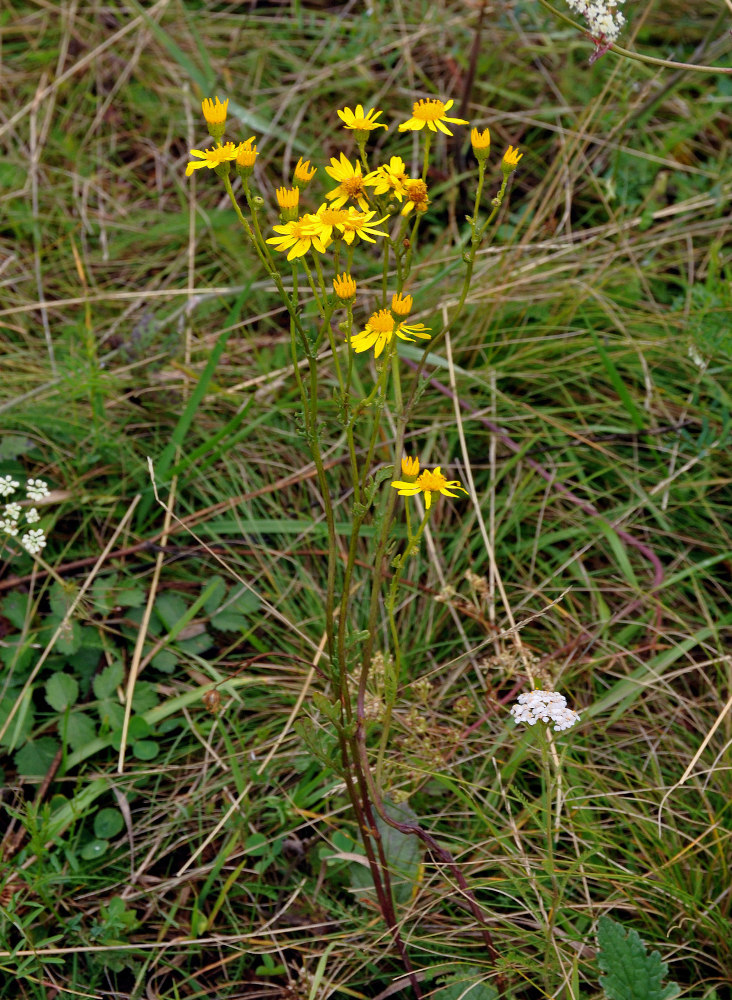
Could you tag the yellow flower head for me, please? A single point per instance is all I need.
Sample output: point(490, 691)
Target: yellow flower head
point(214, 113)
point(429, 483)
point(380, 330)
point(350, 183)
point(410, 466)
point(213, 158)
point(304, 173)
point(345, 287)
point(510, 160)
point(360, 122)
point(377, 333)
point(432, 114)
point(416, 192)
point(481, 143)
point(401, 305)
point(480, 140)
point(389, 178)
point(360, 224)
point(288, 199)
point(298, 237)
point(246, 157)
point(329, 223)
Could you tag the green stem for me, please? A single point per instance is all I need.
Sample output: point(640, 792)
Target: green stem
point(359, 752)
point(378, 866)
point(426, 158)
point(549, 837)
point(396, 645)
point(310, 410)
point(313, 289)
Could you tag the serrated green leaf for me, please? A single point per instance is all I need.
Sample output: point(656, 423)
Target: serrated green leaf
point(233, 615)
point(326, 707)
point(632, 974)
point(34, 759)
point(195, 644)
point(165, 661)
point(62, 690)
point(355, 637)
point(144, 697)
point(111, 713)
point(70, 636)
point(131, 597)
point(318, 743)
point(81, 729)
point(170, 608)
point(16, 655)
point(60, 599)
point(105, 683)
point(381, 475)
point(216, 596)
point(15, 608)
point(102, 593)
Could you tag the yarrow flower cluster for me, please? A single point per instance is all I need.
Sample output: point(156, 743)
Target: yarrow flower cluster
point(34, 539)
point(544, 706)
point(604, 20)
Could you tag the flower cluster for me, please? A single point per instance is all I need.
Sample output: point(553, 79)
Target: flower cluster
point(604, 20)
point(317, 230)
point(34, 539)
point(362, 201)
point(544, 706)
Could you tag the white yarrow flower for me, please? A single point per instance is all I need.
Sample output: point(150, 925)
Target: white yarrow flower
point(544, 706)
point(8, 486)
point(15, 516)
point(36, 489)
point(696, 356)
point(12, 511)
point(604, 20)
point(33, 541)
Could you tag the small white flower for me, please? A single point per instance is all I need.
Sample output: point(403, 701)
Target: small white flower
point(696, 356)
point(32, 515)
point(604, 20)
point(544, 706)
point(8, 486)
point(12, 511)
point(9, 527)
point(33, 541)
point(36, 489)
